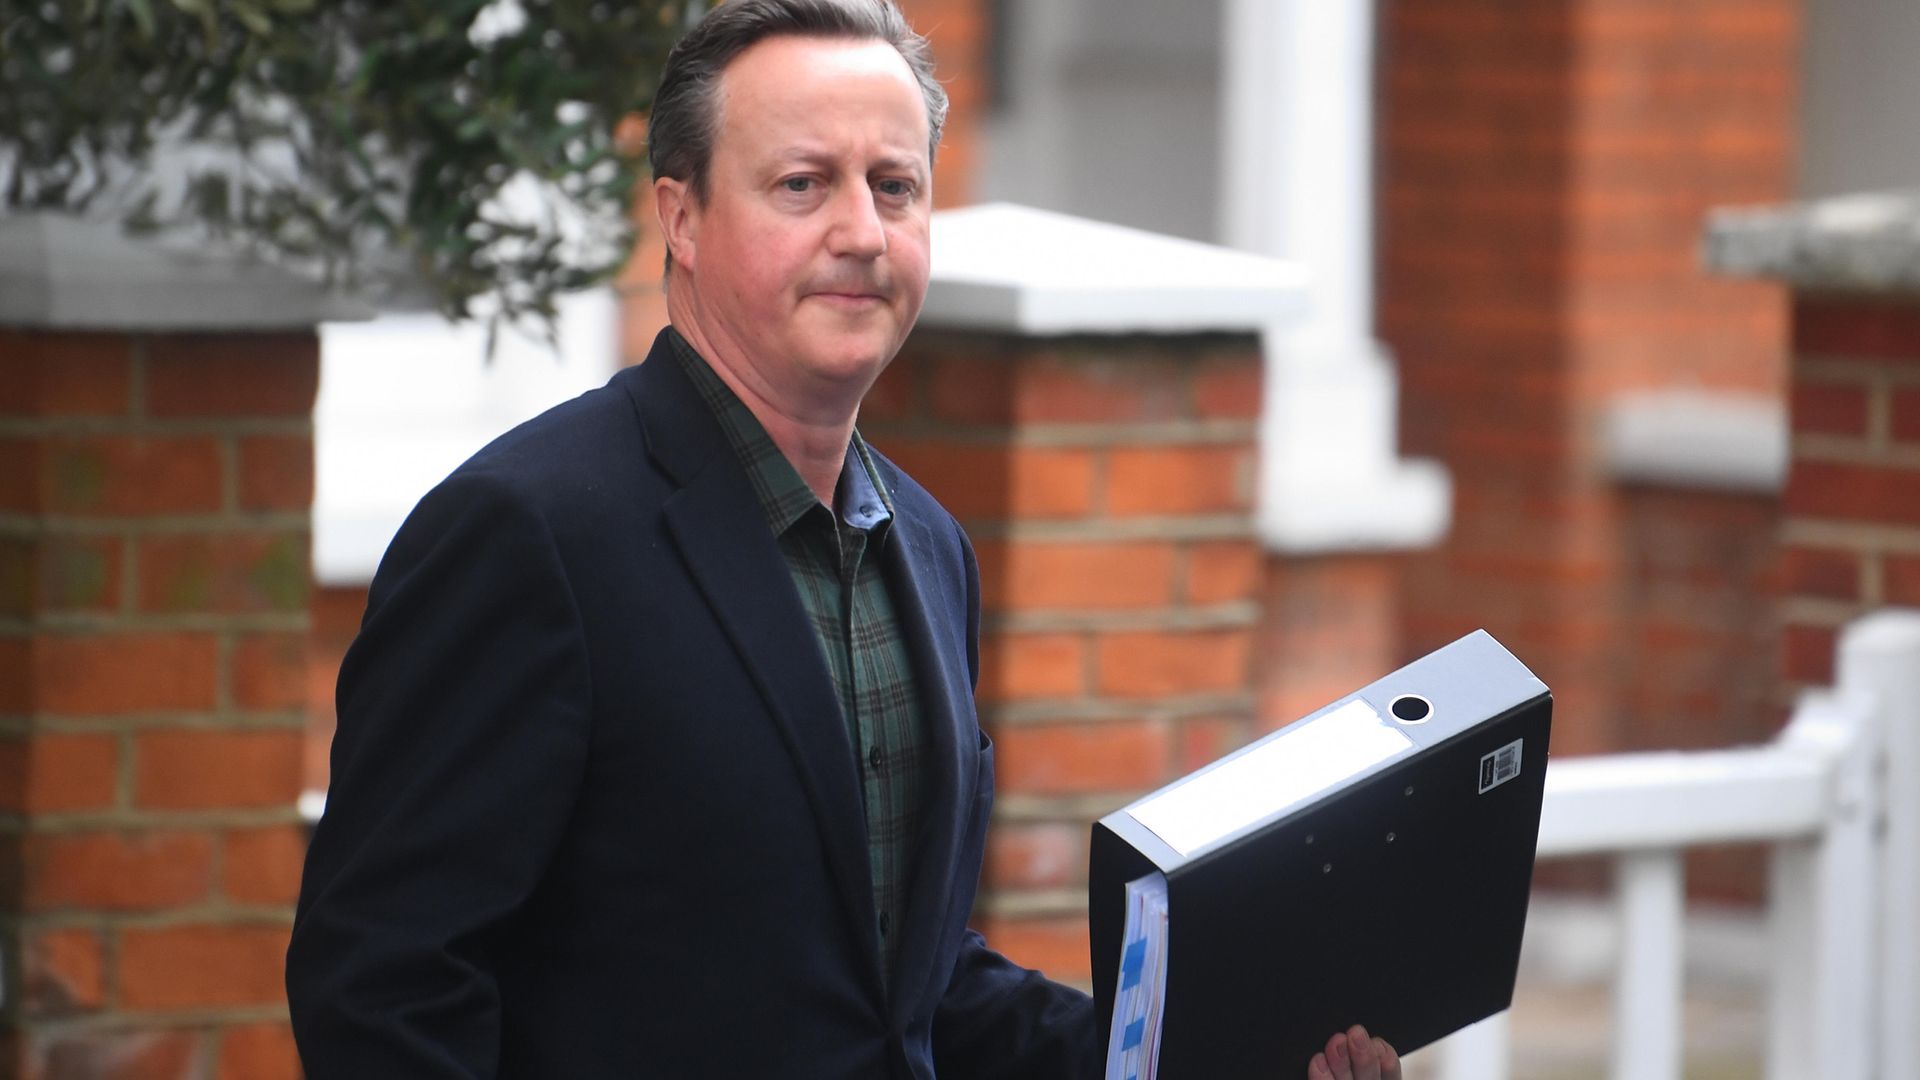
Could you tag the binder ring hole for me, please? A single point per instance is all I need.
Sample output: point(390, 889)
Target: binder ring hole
point(1411, 709)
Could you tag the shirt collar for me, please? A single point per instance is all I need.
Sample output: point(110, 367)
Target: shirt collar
point(861, 499)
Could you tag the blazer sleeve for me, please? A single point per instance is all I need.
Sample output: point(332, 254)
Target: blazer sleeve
point(463, 730)
point(998, 1020)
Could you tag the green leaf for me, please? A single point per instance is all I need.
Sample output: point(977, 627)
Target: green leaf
point(350, 133)
point(253, 18)
point(142, 12)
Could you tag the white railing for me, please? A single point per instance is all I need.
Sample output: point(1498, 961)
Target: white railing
point(1837, 798)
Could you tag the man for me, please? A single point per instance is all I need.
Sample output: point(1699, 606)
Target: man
point(657, 752)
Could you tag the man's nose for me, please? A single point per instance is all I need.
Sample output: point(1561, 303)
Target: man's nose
point(857, 229)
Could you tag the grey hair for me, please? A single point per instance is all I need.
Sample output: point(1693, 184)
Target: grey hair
point(685, 116)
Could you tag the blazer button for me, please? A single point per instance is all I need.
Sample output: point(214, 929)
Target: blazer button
point(873, 757)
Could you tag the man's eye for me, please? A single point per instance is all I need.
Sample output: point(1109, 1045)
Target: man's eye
point(797, 183)
point(895, 188)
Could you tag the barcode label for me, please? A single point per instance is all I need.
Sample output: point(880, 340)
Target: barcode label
point(1500, 766)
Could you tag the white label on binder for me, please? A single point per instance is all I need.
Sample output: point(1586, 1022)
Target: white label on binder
point(1286, 770)
point(1500, 766)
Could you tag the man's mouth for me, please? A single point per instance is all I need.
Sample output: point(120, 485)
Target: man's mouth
point(853, 299)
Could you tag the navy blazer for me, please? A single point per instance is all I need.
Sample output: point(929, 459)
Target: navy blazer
point(594, 812)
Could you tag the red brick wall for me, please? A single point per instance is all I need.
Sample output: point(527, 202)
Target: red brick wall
point(1545, 172)
point(154, 497)
point(1331, 624)
point(1107, 484)
point(336, 620)
point(1699, 597)
point(1697, 639)
point(1853, 495)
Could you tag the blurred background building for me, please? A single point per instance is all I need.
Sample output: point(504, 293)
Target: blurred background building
point(1518, 400)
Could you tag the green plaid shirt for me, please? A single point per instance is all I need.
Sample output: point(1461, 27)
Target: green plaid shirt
point(833, 556)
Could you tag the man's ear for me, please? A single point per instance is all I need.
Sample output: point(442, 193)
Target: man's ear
point(679, 218)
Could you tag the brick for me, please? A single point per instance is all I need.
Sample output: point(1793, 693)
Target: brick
point(201, 769)
point(1059, 759)
point(262, 866)
point(1228, 391)
point(77, 573)
point(1150, 664)
point(258, 1052)
point(1284, 700)
point(895, 395)
point(71, 772)
point(232, 375)
point(225, 573)
point(18, 560)
point(1048, 855)
point(13, 774)
point(63, 972)
point(201, 966)
point(1032, 575)
point(1905, 415)
point(1227, 571)
point(1850, 492)
point(47, 773)
point(1206, 739)
point(1829, 409)
point(966, 387)
point(109, 1054)
point(16, 674)
point(1072, 383)
point(276, 472)
point(1015, 667)
point(116, 871)
point(1806, 654)
point(1082, 386)
point(76, 675)
point(974, 480)
point(1901, 575)
point(643, 312)
point(132, 476)
point(316, 770)
point(1178, 480)
point(971, 480)
point(62, 374)
point(1048, 483)
point(1055, 946)
point(1866, 329)
point(19, 475)
point(1833, 575)
point(1101, 381)
point(270, 671)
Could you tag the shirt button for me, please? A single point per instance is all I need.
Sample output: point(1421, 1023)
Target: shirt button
point(873, 757)
point(884, 921)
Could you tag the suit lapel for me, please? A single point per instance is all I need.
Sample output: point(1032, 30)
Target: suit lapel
point(716, 521)
point(926, 583)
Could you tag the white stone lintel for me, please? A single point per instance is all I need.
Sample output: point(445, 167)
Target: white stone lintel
point(1330, 476)
point(1015, 269)
point(1405, 505)
point(1699, 440)
point(65, 273)
point(1868, 242)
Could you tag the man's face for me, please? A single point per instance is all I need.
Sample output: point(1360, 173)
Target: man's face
point(807, 263)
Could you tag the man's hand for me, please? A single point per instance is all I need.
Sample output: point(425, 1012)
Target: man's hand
point(1354, 1055)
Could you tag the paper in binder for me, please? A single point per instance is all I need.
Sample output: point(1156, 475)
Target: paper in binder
point(1368, 863)
point(1133, 1044)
